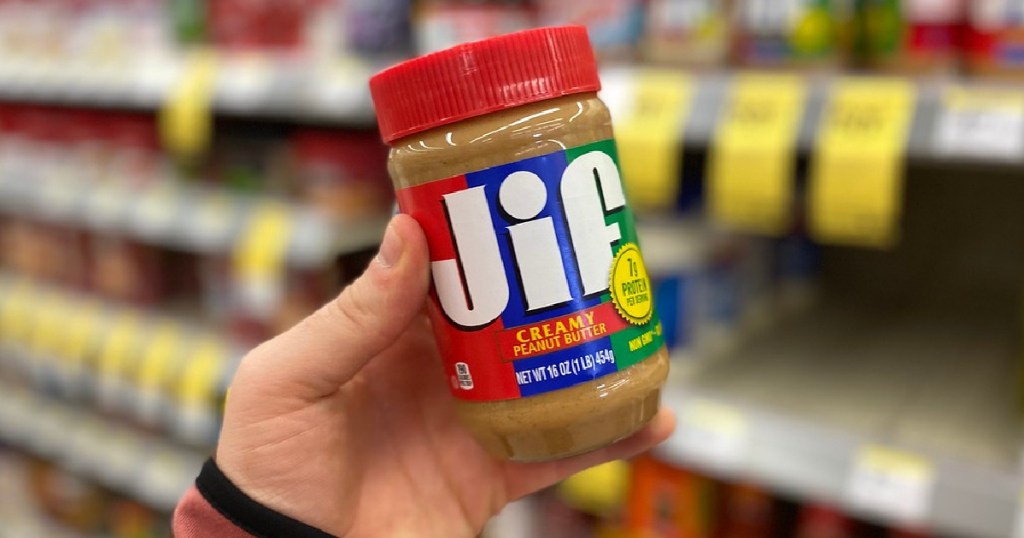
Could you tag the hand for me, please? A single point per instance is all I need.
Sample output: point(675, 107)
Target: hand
point(345, 422)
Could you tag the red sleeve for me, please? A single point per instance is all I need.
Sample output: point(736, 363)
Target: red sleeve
point(196, 518)
point(216, 507)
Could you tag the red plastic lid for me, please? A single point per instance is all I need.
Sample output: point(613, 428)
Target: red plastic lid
point(481, 77)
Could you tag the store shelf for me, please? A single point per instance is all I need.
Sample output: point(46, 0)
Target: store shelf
point(901, 415)
point(142, 466)
point(930, 138)
point(256, 86)
point(336, 92)
point(159, 368)
point(187, 217)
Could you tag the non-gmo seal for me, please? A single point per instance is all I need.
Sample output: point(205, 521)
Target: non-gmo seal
point(630, 286)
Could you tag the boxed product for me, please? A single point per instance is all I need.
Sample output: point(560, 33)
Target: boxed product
point(910, 35)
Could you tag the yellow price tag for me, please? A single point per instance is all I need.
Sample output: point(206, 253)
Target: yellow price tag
point(649, 139)
point(856, 184)
point(186, 121)
point(892, 482)
point(15, 314)
point(754, 155)
point(158, 361)
point(201, 373)
point(121, 346)
point(80, 328)
point(260, 256)
point(47, 325)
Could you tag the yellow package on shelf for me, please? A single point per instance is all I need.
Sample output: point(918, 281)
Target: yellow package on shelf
point(198, 381)
point(186, 119)
point(16, 313)
point(158, 362)
point(260, 257)
point(753, 158)
point(47, 331)
point(81, 326)
point(649, 137)
point(120, 347)
point(856, 183)
point(598, 490)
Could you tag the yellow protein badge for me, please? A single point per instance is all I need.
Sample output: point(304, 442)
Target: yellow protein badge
point(630, 286)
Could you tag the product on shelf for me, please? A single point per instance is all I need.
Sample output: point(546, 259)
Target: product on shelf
point(342, 174)
point(124, 270)
point(795, 34)
point(676, 260)
point(910, 35)
point(995, 38)
point(746, 511)
point(306, 291)
point(600, 490)
point(796, 269)
point(690, 33)
point(244, 25)
point(614, 26)
point(580, 348)
point(822, 521)
point(666, 501)
point(126, 518)
point(73, 502)
point(377, 27)
point(249, 160)
point(440, 24)
point(907, 533)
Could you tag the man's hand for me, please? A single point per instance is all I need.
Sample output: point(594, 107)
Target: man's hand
point(345, 422)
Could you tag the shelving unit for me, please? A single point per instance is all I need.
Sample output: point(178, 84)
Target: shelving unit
point(901, 408)
point(331, 91)
point(144, 467)
point(187, 217)
point(336, 93)
point(925, 141)
point(800, 409)
point(897, 397)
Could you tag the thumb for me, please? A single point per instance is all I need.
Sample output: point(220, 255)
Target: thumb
point(315, 357)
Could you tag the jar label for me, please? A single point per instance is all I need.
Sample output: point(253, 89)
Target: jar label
point(539, 283)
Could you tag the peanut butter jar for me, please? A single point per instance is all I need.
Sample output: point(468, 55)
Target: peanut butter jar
point(541, 303)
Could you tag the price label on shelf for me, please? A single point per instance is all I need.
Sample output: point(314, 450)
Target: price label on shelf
point(260, 257)
point(712, 434)
point(981, 123)
point(198, 380)
point(649, 136)
point(339, 82)
point(892, 483)
point(1018, 524)
point(47, 328)
point(157, 207)
point(753, 158)
point(214, 216)
point(856, 184)
point(186, 119)
point(120, 349)
point(158, 361)
point(245, 79)
point(15, 313)
point(80, 327)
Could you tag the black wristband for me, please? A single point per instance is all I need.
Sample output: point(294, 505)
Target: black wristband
point(249, 515)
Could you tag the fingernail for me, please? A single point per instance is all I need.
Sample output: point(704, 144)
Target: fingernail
point(390, 248)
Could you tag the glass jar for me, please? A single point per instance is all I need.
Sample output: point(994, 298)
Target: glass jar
point(541, 304)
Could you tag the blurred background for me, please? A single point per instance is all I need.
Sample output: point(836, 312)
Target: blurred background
point(831, 196)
